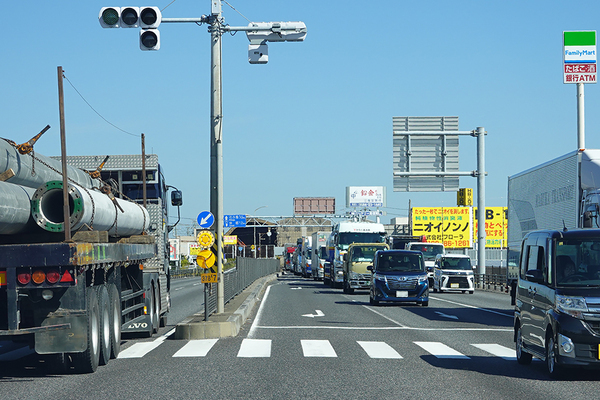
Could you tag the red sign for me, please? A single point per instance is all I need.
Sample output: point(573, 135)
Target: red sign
point(575, 73)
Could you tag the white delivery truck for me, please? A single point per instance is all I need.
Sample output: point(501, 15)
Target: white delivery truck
point(342, 236)
point(559, 194)
point(430, 250)
point(319, 254)
point(306, 256)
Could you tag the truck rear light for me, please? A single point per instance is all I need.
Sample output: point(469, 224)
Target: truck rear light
point(2, 278)
point(67, 277)
point(38, 277)
point(24, 278)
point(52, 276)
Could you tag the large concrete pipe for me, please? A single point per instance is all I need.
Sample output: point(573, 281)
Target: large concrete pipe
point(35, 173)
point(15, 207)
point(88, 207)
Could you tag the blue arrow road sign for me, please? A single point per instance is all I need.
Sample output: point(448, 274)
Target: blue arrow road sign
point(206, 219)
point(238, 220)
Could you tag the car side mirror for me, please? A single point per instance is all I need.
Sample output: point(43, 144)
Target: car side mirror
point(535, 275)
point(370, 268)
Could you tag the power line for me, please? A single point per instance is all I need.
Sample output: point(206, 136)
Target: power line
point(89, 105)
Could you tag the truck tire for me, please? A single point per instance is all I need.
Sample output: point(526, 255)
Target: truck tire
point(87, 361)
point(105, 323)
point(156, 315)
point(115, 321)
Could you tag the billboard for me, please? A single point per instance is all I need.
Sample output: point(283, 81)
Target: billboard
point(365, 196)
point(448, 225)
point(496, 224)
point(314, 205)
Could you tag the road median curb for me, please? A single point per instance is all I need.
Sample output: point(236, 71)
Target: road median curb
point(228, 323)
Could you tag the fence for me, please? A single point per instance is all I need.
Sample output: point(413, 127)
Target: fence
point(246, 271)
point(493, 279)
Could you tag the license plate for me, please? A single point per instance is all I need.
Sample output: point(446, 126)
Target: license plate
point(454, 285)
point(401, 293)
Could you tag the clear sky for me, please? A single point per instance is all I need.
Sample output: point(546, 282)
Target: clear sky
point(318, 117)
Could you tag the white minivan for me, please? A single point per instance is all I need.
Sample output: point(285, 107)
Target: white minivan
point(453, 272)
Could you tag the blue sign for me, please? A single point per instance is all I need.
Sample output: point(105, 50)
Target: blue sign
point(206, 219)
point(237, 221)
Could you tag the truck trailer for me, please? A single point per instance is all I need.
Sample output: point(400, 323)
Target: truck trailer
point(559, 194)
point(74, 299)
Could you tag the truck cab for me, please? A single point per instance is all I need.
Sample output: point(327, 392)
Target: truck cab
point(356, 261)
point(430, 251)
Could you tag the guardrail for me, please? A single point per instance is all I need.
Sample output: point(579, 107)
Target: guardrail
point(496, 282)
point(235, 280)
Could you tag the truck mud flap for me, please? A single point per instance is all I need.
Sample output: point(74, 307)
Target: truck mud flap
point(71, 340)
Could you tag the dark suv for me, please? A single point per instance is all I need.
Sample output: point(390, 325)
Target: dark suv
point(399, 276)
point(557, 311)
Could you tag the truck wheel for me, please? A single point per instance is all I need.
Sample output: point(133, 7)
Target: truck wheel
point(105, 323)
point(115, 321)
point(156, 315)
point(87, 361)
point(523, 357)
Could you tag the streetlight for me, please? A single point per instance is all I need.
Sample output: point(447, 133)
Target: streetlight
point(254, 235)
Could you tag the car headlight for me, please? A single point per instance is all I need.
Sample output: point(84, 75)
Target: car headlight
point(573, 306)
point(423, 279)
point(380, 278)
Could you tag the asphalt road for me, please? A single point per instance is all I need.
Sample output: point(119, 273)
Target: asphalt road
point(307, 340)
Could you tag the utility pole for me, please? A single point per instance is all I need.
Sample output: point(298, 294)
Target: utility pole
point(216, 143)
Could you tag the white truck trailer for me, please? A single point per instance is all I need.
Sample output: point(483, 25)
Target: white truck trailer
point(319, 254)
point(559, 194)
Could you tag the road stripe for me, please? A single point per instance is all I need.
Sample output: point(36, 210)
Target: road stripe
point(196, 348)
point(317, 348)
point(255, 348)
point(498, 351)
point(139, 350)
point(379, 350)
point(470, 306)
point(440, 350)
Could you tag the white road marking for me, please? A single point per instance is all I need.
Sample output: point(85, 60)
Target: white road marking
point(317, 348)
point(139, 350)
point(319, 314)
point(258, 313)
point(497, 350)
point(255, 348)
point(440, 350)
point(196, 348)
point(470, 306)
point(441, 314)
point(379, 350)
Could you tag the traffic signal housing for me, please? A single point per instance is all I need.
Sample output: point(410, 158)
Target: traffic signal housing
point(147, 18)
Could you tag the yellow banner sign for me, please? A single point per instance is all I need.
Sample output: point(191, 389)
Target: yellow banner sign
point(448, 225)
point(496, 223)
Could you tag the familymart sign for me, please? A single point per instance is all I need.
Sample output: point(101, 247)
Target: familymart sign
point(579, 57)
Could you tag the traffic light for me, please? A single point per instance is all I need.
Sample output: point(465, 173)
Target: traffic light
point(149, 39)
point(110, 17)
point(147, 18)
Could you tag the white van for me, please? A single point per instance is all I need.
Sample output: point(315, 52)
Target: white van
point(453, 272)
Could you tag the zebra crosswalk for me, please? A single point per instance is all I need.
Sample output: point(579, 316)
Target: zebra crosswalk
point(261, 348)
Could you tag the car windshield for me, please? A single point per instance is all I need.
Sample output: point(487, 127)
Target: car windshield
point(400, 262)
point(347, 238)
point(429, 250)
point(577, 263)
point(456, 263)
point(364, 253)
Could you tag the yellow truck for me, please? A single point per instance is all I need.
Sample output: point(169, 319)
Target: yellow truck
point(356, 261)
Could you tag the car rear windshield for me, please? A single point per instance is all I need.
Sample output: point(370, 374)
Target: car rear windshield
point(400, 262)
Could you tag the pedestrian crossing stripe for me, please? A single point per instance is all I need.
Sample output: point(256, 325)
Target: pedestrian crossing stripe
point(261, 348)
